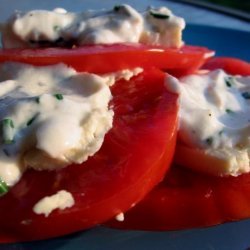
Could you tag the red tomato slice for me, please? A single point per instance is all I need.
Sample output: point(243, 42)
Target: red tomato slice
point(186, 199)
point(232, 66)
point(136, 153)
point(94, 58)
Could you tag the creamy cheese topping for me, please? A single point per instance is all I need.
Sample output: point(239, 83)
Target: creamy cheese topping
point(125, 74)
point(215, 117)
point(121, 24)
point(61, 200)
point(50, 117)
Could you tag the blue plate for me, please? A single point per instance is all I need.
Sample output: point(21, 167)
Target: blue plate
point(226, 42)
point(230, 236)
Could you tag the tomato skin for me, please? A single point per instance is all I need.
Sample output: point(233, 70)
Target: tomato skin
point(183, 200)
point(232, 66)
point(186, 199)
point(120, 56)
point(113, 179)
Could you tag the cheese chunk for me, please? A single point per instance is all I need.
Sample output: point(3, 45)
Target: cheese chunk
point(50, 117)
point(214, 122)
point(122, 24)
point(61, 200)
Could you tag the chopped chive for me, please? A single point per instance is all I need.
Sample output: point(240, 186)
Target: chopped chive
point(8, 122)
point(117, 7)
point(8, 131)
point(3, 188)
point(31, 120)
point(56, 28)
point(221, 132)
point(37, 100)
point(229, 81)
point(58, 96)
point(246, 95)
point(209, 141)
point(8, 141)
point(229, 111)
point(158, 15)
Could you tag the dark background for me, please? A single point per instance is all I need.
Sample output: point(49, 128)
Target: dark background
point(243, 5)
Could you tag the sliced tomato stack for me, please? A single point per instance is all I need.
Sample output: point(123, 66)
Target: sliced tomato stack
point(186, 199)
point(136, 152)
point(118, 176)
point(135, 155)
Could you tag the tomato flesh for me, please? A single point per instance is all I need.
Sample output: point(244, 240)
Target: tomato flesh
point(186, 199)
point(119, 175)
point(109, 58)
point(232, 66)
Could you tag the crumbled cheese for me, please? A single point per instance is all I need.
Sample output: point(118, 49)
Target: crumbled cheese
point(125, 74)
point(38, 28)
point(61, 200)
point(55, 117)
point(215, 118)
point(120, 217)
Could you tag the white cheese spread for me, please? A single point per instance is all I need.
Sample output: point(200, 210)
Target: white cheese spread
point(125, 74)
point(50, 117)
point(40, 28)
point(61, 200)
point(215, 118)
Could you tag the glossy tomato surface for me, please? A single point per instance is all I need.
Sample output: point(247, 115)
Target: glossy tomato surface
point(186, 199)
point(94, 58)
point(136, 153)
point(232, 66)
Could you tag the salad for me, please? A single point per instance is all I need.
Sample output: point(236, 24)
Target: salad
point(108, 114)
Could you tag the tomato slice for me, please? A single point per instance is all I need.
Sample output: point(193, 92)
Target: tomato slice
point(115, 178)
point(232, 66)
point(186, 199)
point(94, 58)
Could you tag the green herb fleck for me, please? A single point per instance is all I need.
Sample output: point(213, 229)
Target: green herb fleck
point(31, 120)
point(229, 81)
point(3, 188)
point(158, 15)
point(221, 132)
point(37, 99)
point(209, 141)
point(8, 122)
point(56, 28)
point(58, 96)
point(229, 111)
point(8, 131)
point(246, 95)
